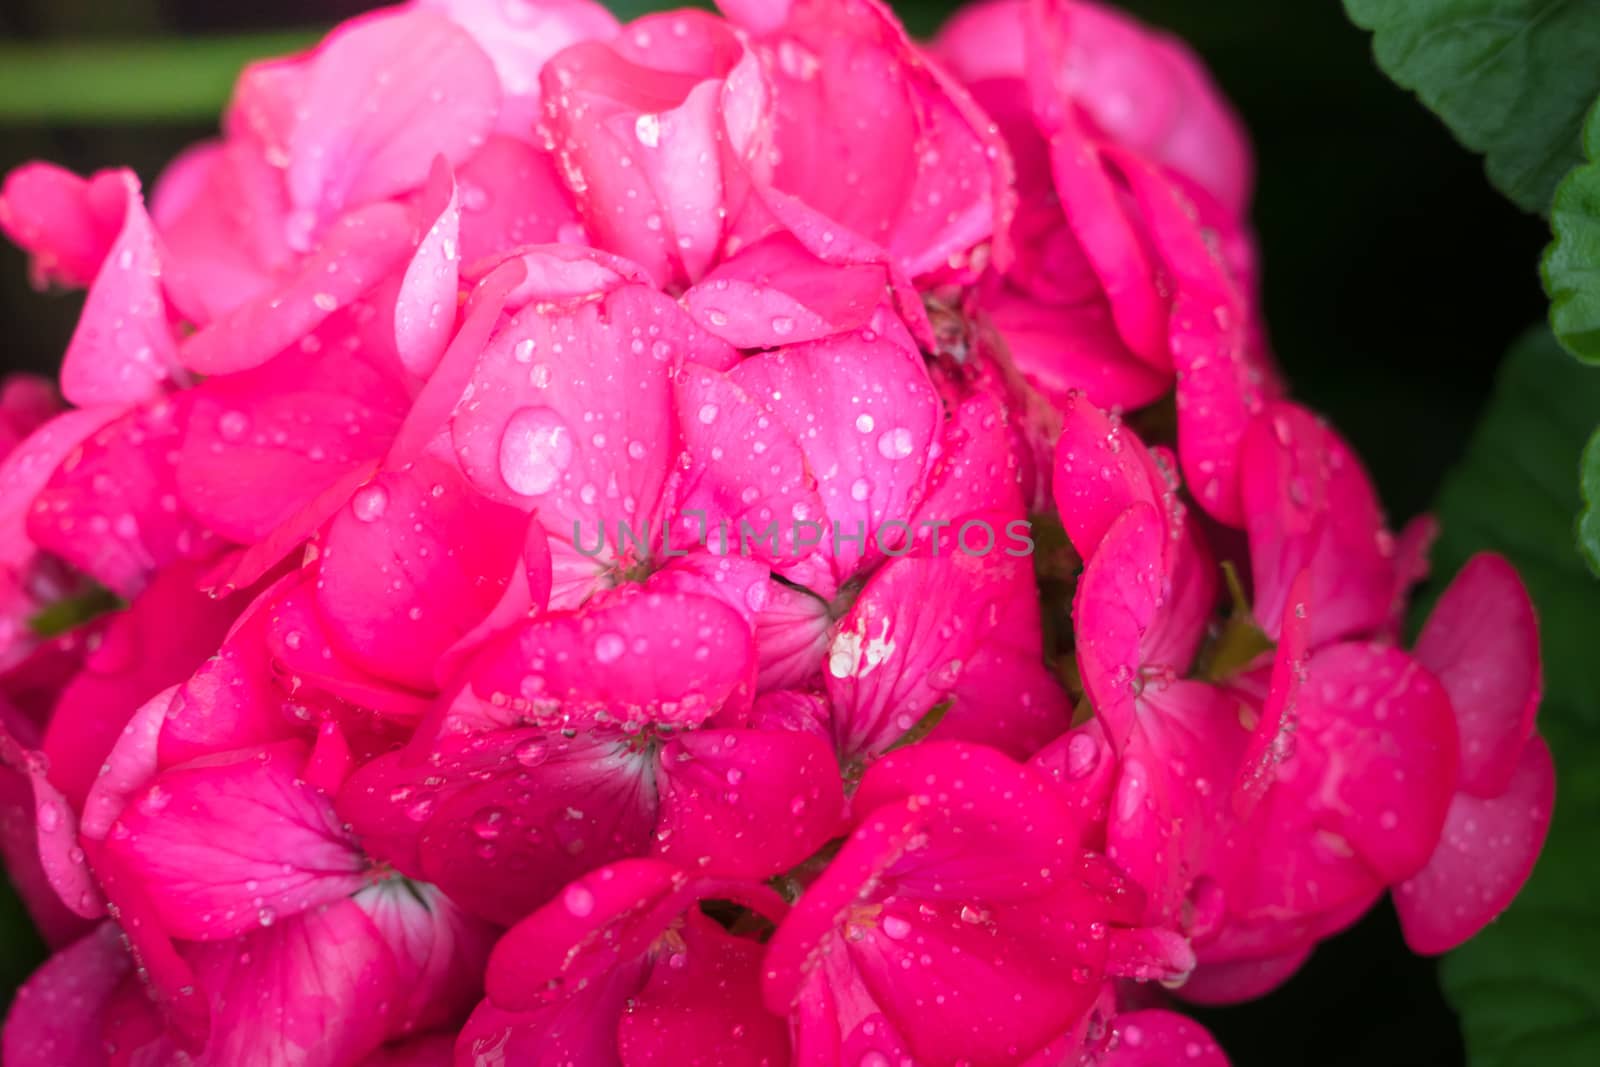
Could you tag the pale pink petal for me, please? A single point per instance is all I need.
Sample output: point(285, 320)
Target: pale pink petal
point(520, 36)
point(439, 952)
point(358, 252)
point(511, 192)
point(425, 307)
point(383, 96)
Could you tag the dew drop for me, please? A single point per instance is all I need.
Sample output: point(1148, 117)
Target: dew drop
point(535, 448)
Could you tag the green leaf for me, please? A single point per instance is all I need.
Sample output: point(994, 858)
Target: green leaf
point(1511, 78)
point(1571, 267)
point(1527, 988)
point(1589, 521)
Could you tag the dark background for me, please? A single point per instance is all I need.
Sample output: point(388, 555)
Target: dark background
point(1395, 279)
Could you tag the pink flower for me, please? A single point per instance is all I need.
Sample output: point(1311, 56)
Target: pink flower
point(621, 545)
point(1127, 157)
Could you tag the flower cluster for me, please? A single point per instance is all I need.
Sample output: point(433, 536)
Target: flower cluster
point(720, 540)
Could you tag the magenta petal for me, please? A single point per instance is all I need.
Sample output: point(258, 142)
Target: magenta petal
point(1115, 607)
point(502, 821)
point(29, 466)
point(1157, 1038)
point(1238, 981)
point(1271, 741)
point(511, 196)
point(121, 486)
point(314, 990)
point(232, 843)
point(1482, 643)
point(414, 561)
point(263, 444)
point(160, 640)
point(603, 920)
point(383, 96)
point(1312, 507)
point(1485, 854)
point(706, 999)
point(582, 1029)
point(865, 414)
point(56, 1018)
point(747, 803)
point(637, 656)
point(1101, 469)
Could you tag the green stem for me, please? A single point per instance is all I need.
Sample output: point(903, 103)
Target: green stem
point(175, 80)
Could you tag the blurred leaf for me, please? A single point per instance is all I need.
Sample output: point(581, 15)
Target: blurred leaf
point(130, 81)
point(1527, 987)
point(1511, 78)
point(1589, 521)
point(20, 948)
point(1571, 266)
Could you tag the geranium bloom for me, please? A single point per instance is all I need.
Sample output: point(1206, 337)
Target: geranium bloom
point(568, 543)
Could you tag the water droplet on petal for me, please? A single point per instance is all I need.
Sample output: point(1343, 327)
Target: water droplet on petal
point(535, 448)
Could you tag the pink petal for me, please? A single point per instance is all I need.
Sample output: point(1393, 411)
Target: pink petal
point(742, 470)
point(112, 508)
point(1101, 469)
point(28, 467)
point(414, 561)
point(1068, 349)
point(1115, 608)
point(55, 831)
point(904, 644)
point(928, 180)
point(234, 842)
point(1242, 980)
point(314, 990)
point(1482, 643)
point(1272, 739)
point(439, 952)
point(705, 1002)
point(641, 132)
point(123, 349)
point(425, 307)
point(66, 223)
point(637, 655)
point(382, 97)
point(580, 1029)
point(502, 821)
point(1485, 854)
point(775, 292)
point(55, 1019)
point(1311, 506)
point(1156, 1038)
point(521, 36)
point(511, 192)
point(358, 252)
point(162, 637)
point(747, 803)
point(861, 406)
point(263, 444)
